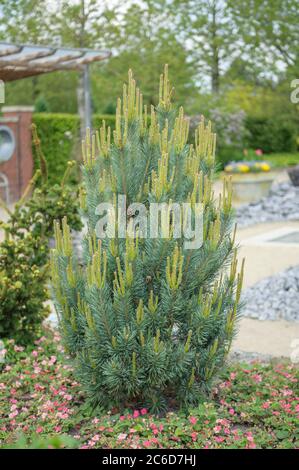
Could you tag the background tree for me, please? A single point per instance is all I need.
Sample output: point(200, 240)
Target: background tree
point(271, 32)
point(145, 43)
point(206, 27)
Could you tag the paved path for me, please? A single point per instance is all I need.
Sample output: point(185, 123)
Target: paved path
point(273, 338)
point(265, 258)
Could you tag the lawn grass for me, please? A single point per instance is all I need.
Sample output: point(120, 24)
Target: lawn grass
point(42, 405)
point(282, 160)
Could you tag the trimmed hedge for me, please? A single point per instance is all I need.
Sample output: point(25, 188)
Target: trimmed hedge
point(271, 135)
point(59, 134)
point(60, 139)
point(97, 120)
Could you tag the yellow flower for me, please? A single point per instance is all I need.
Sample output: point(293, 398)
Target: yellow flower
point(244, 168)
point(265, 166)
point(228, 168)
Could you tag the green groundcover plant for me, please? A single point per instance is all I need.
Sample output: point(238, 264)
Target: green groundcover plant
point(252, 405)
point(147, 320)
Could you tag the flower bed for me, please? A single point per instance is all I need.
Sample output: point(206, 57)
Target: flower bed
point(253, 406)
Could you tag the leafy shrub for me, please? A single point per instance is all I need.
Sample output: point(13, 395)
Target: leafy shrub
point(272, 135)
point(23, 288)
point(24, 253)
point(231, 134)
point(41, 105)
point(147, 320)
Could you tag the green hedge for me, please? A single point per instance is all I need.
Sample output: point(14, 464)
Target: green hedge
point(59, 135)
point(60, 139)
point(97, 120)
point(271, 135)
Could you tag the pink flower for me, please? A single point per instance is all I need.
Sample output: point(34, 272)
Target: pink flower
point(34, 353)
point(39, 429)
point(13, 407)
point(232, 411)
point(136, 414)
point(233, 375)
point(194, 436)
point(57, 428)
point(95, 421)
point(122, 418)
point(95, 438)
point(147, 443)
point(259, 152)
point(217, 429)
point(13, 414)
point(193, 420)
point(265, 405)
point(122, 437)
point(257, 378)
point(143, 411)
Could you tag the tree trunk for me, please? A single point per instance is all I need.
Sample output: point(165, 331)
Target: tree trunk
point(81, 104)
point(215, 72)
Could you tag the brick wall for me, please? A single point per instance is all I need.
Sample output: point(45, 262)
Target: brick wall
point(19, 168)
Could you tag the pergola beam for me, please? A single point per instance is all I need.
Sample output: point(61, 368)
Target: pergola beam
point(19, 61)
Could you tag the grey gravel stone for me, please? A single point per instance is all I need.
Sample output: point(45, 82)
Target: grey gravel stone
point(281, 204)
point(246, 356)
point(274, 298)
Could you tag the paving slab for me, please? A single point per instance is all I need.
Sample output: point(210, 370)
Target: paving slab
point(270, 338)
point(264, 258)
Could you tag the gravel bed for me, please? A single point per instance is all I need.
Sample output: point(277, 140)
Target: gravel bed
point(281, 204)
point(274, 298)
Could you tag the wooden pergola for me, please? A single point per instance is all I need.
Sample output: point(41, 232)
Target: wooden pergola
point(19, 61)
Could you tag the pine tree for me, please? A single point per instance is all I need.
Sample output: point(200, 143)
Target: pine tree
point(146, 320)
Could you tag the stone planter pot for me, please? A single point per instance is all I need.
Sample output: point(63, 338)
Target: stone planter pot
point(294, 175)
point(251, 187)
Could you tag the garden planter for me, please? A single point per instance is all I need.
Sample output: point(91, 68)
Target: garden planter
point(294, 175)
point(251, 187)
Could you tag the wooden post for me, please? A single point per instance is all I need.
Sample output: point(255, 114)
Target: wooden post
point(84, 101)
